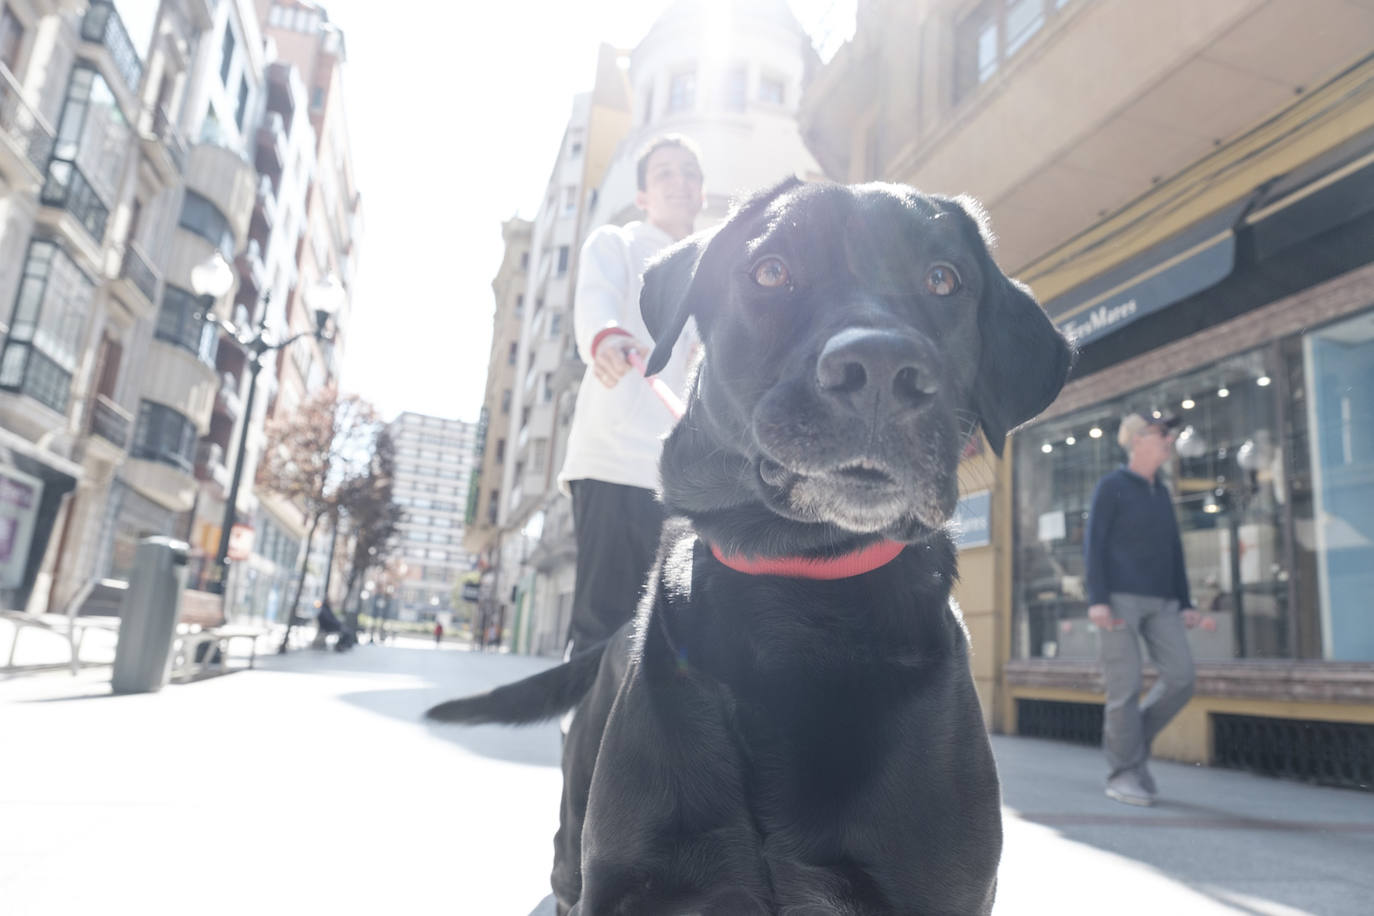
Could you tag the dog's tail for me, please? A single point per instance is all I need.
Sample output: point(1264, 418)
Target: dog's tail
point(542, 696)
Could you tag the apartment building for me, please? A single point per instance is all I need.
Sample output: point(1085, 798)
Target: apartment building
point(120, 172)
point(94, 166)
point(325, 242)
point(1192, 198)
point(498, 556)
point(727, 75)
point(435, 463)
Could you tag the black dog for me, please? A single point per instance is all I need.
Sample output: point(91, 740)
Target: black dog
point(792, 725)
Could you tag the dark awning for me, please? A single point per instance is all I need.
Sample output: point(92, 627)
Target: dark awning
point(1193, 260)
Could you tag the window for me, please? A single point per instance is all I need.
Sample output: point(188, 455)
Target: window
point(555, 324)
point(569, 200)
point(772, 90)
point(512, 353)
point(563, 253)
point(736, 88)
point(317, 98)
point(162, 434)
point(179, 322)
point(11, 39)
point(575, 150)
point(548, 388)
point(500, 451)
point(1272, 485)
point(524, 264)
point(991, 34)
point(505, 401)
point(539, 454)
point(226, 55)
point(494, 507)
point(46, 326)
point(682, 91)
point(241, 109)
point(203, 218)
point(89, 152)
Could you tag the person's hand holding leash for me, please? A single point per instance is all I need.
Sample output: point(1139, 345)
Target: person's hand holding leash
point(610, 362)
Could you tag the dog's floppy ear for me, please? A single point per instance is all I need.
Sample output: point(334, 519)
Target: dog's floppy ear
point(687, 279)
point(1025, 360)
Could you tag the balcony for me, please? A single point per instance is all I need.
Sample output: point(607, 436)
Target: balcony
point(142, 276)
point(252, 271)
point(67, 189)
point(102, 26)
point(264, 212)
point(271, 145)
point(109, 428)
point(25, 135)
point(282, 89)
point(1173, 81)
point(210, 466)
point(227, 401)
point(163, 145)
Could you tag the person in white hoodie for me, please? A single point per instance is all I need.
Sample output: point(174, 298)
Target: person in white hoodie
point(611, 466)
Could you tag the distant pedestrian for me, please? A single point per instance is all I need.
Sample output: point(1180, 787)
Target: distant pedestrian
point(1138, 588)
point(438, 633)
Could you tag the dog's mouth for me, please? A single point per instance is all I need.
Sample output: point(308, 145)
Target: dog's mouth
point(863, 495)
point(865, 473)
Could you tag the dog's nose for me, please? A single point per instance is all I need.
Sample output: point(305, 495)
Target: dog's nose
point(868, 361)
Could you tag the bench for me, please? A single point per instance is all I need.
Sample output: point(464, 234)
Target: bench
point(203, 638)
point(70, 623)
point(196, 650)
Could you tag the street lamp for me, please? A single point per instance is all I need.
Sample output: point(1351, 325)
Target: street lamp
point(208, 279)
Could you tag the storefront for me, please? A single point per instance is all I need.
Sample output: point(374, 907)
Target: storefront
point(1256, 328)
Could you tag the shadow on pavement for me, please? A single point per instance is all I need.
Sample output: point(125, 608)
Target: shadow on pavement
point(445, 674)
point(1243, 840)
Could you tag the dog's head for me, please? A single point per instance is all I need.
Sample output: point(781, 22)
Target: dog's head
point(854, 338)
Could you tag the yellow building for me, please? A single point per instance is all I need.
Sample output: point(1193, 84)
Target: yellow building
point(1189, 190)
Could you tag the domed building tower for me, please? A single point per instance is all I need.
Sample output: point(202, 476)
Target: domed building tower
point(728, 74)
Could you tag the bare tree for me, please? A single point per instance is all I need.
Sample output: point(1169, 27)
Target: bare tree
point(373, 515)
point(310, 454)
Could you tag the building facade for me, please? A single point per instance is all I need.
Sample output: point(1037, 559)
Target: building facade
point(322, 247)
point(1197, 215)
point(435, 463)
point(95, 172)
point(497, 555)
point(122, 171)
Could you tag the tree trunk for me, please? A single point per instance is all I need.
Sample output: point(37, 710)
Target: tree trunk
point(300, 584)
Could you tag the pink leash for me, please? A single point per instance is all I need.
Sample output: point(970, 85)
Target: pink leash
point(665, 394)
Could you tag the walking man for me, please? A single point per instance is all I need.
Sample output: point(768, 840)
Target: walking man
point(611, 467)
point(1138, 588)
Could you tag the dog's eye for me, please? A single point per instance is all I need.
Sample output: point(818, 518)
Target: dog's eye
point(771, 273)
point(942, 280)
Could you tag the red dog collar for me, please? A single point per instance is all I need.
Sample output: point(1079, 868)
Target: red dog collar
point(851, 564)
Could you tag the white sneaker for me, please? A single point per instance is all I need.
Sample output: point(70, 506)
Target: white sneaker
point(1127, 789)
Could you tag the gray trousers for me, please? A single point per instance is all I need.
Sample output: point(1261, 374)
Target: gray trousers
point(1130, 723)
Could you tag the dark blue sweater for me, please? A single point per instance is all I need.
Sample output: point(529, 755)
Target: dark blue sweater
point(1132, 543)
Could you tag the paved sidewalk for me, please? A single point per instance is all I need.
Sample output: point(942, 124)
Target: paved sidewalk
point(311, 785)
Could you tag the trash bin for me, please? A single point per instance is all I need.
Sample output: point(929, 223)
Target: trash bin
point(148, 616)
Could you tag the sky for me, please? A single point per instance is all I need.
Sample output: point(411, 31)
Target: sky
point(455, 114)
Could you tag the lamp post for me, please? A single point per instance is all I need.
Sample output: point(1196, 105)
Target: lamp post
point(324, 299)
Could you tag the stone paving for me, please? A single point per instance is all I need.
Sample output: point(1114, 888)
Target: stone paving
point(310, 785)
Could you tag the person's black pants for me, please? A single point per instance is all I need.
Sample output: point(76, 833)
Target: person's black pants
point(617, 529)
